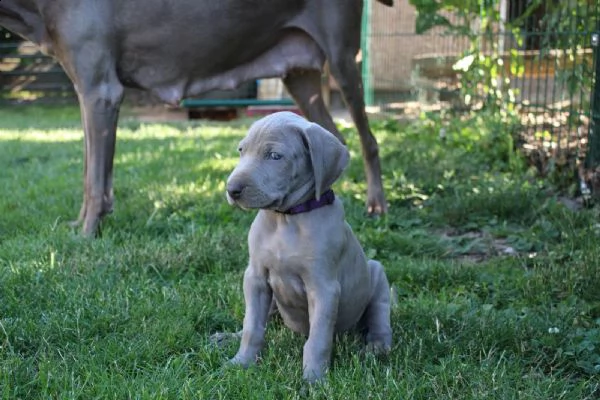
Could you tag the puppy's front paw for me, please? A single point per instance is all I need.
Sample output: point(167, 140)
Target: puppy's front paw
point(244, 362)
point(378, 348)
point(313, 375)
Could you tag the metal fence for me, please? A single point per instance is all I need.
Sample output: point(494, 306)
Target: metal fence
point(544, 54)
point(28, 76)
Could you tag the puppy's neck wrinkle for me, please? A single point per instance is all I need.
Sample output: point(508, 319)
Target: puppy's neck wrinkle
point(304, 193)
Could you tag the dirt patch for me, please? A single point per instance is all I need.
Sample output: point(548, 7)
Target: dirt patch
point(475, 246)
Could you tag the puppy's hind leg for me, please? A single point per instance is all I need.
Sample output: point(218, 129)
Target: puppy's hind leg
point(376, 320)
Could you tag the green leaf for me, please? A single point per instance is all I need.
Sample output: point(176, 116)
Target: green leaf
point(425, 22)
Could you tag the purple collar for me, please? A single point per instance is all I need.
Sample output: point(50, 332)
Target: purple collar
point(326, 199)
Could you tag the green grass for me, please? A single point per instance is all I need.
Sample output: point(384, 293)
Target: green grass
point(498, 282)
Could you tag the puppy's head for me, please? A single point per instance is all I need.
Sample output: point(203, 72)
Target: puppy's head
point(285, 160)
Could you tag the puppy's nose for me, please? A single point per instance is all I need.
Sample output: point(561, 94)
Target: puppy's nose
point(234, 189)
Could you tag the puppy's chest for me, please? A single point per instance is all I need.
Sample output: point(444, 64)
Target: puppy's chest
point(286, 256)
point(286, 264)
point(283, 254)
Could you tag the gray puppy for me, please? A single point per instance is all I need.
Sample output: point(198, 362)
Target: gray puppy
point(303, 254)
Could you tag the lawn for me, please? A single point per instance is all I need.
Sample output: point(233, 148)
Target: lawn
point(498, 282)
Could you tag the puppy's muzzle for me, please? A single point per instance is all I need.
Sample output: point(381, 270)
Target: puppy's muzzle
point(235, 190)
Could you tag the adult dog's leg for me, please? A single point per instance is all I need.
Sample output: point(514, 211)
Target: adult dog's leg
point(85, 43)
point(99, 105)
point(345, 71)
point(305, 88)
point(100, 94)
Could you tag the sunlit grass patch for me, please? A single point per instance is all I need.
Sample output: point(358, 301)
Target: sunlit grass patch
point(41, 136)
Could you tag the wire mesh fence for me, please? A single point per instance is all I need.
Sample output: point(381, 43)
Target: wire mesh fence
point(537, 59)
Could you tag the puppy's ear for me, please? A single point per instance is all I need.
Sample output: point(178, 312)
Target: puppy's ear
point(328, 156)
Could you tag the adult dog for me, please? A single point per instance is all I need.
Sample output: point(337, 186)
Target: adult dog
point(303, 254)
point(177, 49)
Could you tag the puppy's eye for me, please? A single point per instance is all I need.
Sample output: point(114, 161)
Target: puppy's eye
point(273, 155)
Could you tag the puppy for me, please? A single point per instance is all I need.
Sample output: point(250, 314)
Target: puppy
point(303, 254)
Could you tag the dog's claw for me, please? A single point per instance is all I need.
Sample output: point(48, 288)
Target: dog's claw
point(76, 223)
point(376, 207)
point(377, 348)
point(240, 361)
point(375, 211)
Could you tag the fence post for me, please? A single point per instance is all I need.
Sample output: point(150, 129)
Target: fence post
point(593, 156)
point(365, 42)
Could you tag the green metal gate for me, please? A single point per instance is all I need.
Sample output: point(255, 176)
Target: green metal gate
point(28, 76)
